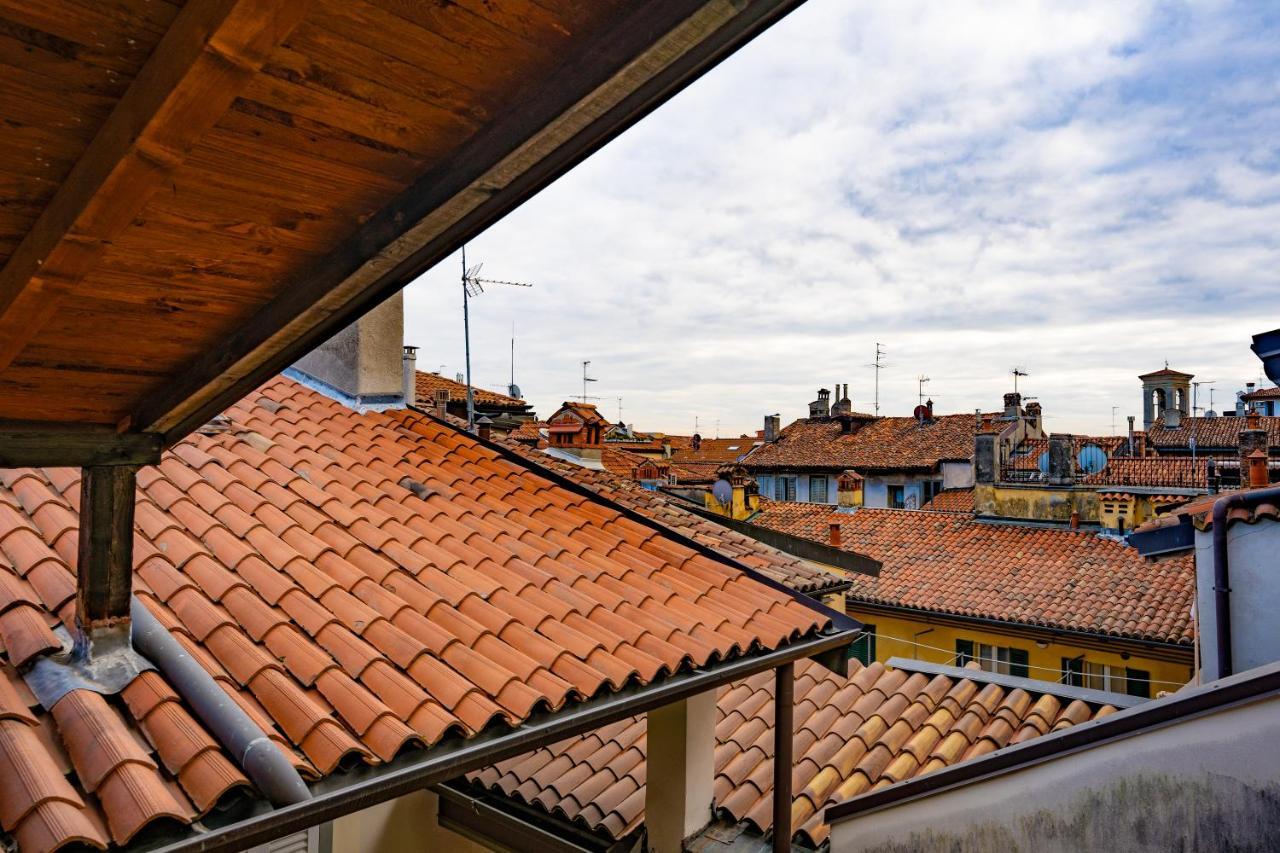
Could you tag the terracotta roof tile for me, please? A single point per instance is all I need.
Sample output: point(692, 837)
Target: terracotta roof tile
point(1054, 578)
point(851, 734)
point(951, 500)
point(875, 444)
point(1210, 433)
point(352, 616)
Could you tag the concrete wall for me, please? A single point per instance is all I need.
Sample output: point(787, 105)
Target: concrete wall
point(936, 643)
point(1255, 596)
point(366, 359)
point(1206, 783)
point(407, 823)
point(957, 475)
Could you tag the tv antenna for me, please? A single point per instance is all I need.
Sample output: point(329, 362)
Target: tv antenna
point(585, 380)
point(1017, 371)
point(473, 285)
point(513, 390)
point(877, 366)
point(921, 381)
point(1114, 409)
point(620, 410)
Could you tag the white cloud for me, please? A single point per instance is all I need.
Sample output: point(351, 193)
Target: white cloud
point(1084, 189)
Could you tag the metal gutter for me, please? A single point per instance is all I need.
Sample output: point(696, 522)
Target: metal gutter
point(344, 793)
point(254, 753)
point(497, 829)
point(1187, 704)
point(1031, 685)
point(1222, 570)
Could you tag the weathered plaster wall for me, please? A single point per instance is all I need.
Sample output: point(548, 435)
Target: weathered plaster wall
point(957, 475)
point(1035, 503)
point(367, 357)
point(1253, 554)
point(407, 823)
point(1207, 783)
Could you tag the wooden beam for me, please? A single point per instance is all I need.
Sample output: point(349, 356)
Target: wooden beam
point(204, 60)
point(104, 572)
point(654, 51)
point(34, 445)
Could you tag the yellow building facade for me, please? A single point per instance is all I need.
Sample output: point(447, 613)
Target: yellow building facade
point(1104, 664)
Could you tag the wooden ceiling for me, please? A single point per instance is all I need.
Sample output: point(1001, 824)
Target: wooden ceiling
point(193, 195)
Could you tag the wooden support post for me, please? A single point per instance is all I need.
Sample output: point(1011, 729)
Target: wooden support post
point(104, 581)
point(784, 709)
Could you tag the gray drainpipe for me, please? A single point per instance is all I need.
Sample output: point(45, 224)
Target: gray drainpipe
point(1221, 568)
point(259, 758)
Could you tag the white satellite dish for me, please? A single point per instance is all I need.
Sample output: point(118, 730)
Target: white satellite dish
point(722, 491)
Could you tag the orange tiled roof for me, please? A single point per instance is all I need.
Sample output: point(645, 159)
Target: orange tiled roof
point(667, 511)
point(1209, 432)
point(623, 463)
point(719, 450)
point(696, 472)
point(1153, 471)
point(1263, 394)
point(852, 735)
point(530, 431)
point(881, 444)
point(429, 383)
point(360, 584)
point(1071, 580)
point(951, 500)
point(1200, 511)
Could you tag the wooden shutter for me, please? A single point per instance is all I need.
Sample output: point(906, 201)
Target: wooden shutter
point(863, 649)
point(1018, 663)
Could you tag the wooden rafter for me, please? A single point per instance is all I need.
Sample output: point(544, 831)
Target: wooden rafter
point(204, 60)
point(653, 53)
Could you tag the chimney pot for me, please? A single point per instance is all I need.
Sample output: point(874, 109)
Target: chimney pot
point(410, 360)
point(1253, 420)
point(835, 534)
point(441, 402)
point(1258, 475)
point(484, 427)
point(1075, 519)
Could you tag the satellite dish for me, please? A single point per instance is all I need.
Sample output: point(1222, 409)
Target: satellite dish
point(921, 413)
point(1092, 459)
point(513, 390)
point(722, 491)
point(1043, 462)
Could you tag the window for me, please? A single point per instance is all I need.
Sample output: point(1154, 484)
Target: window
point(863, 649)
point(897, 499)
point(1079, 672)
point(818, 490)
point(784, 489)
point(1005, 660)
point(931, 489)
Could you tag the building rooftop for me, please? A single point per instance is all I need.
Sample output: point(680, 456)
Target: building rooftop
point(1152, 472)
point(720, 450)
point(1272, 393)
point(1026, 456)
point(1072, 580)
point(852, 735)
point(951, 500)
point(1219, 432)
point(873, 444)
point(361, 585)
point(429, 383)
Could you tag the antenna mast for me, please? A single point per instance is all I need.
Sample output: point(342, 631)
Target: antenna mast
point(1017, 371)
point(878, 365)
point(920, 383)
point(586, 379)
point(473, 285)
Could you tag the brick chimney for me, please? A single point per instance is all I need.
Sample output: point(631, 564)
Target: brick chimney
point(1252, 439)
point(441, 402)
point(363, 365)
point(1012, 404)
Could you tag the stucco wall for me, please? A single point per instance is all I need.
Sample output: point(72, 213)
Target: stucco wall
point(896, 637)
point(407, 823)
point(1252, 554)
point(1207, 783)
point(957, 475)
point(1036, 503)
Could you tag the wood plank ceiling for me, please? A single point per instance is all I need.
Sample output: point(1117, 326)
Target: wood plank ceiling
point(193, 195)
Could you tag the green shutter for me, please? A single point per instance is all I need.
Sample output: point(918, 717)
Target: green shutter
point(1137, 682)
point(964, 652)
point(863, 649)
point(1018, 660)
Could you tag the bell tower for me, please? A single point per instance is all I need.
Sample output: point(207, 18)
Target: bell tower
point(1166, 394)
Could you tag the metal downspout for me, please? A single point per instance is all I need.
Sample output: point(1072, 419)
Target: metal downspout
point(783, 724)
point(1222, 570)
point(251, 749)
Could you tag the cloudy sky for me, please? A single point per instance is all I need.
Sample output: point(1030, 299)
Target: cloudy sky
point(1081, 189)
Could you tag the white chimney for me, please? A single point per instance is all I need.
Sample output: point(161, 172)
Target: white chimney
point(410, 362)
point(363, 365)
